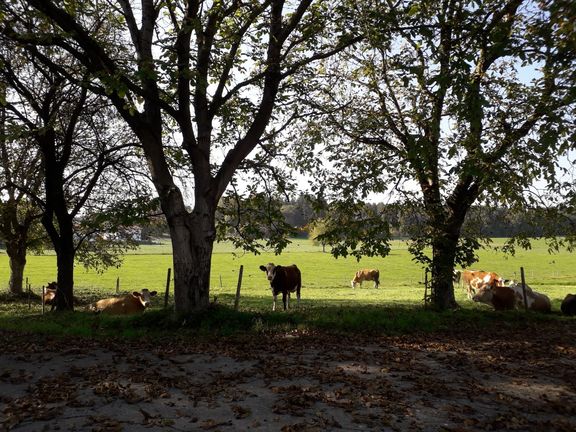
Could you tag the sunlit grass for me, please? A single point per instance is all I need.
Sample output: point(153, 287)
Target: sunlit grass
point(328, 301)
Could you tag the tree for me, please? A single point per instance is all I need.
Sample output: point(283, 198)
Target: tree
point(19, 216)
point(444, 105)
point(212, 71)
point(85, 162)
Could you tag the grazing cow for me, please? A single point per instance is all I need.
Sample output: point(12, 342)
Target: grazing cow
point(366, 275)
point(568, 306)
point(129, 304)
point(283, 279)
point(536, 301)
point(473, 280)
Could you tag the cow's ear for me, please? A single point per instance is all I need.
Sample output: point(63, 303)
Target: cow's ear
point(153, 293)
point(136, 294)
point(262, 268)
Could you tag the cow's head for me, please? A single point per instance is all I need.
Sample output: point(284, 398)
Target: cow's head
point(456, 274)
point(144, 296)
point(270, 270)
point(484, 294)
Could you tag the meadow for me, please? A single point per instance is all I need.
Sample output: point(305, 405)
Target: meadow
point(326, 280)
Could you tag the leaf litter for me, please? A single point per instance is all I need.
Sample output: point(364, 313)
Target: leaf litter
point(464, 380)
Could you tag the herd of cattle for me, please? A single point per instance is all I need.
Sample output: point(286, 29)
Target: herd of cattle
point(481, 286)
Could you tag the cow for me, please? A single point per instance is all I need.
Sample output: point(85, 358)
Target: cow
point(568, 306)
point(535, 301)
point(366, 275)
point(499, 297)
point(511, 296)
point(285, 280)
point(49, 294)
point(129, 304)
point(473, 280)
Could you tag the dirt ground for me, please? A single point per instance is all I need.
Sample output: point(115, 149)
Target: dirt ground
point(509, 380)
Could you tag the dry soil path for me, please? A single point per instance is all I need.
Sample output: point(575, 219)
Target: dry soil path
point(522, 380)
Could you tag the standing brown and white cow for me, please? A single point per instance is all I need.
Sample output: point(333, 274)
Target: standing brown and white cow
point(285, 280)
point(366, 275)
point(129, 304)
point(473, 280)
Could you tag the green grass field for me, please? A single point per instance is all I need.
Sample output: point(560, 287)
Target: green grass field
point(326, 280)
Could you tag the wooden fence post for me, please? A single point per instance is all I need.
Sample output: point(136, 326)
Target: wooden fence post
point(426, 296)
point(29, 289)
point(118, 285)
point(167, 287)
point(524, 288)
point(237, 300)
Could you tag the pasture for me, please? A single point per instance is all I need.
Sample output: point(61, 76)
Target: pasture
point(360, 359)
point(326, 280)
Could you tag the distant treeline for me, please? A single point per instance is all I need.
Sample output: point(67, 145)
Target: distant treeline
point(483, 220)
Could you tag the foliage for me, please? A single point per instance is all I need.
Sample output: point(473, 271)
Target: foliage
point(215, 75)
point(444, 105)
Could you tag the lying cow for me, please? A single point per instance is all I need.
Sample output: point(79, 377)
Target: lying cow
point(129, 304)
point(536, 301)
point(285, 280)
point(568, 306)
point(473, 280)
point(511, 296)
point(49, 294)
point(366, 275)
point(499, 297)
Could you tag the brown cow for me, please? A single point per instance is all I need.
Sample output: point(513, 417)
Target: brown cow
point(366, 275)
point(49, 294)
point(568, 306)
point(129, 304)
point(473, 280)
point(499, 297)
point(536, 301)
point(511, 296)
point(283, 279)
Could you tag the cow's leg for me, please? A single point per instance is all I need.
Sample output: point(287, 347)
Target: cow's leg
point(274, 302)
point(352, 284)
point(376, 283)
point(284, 298)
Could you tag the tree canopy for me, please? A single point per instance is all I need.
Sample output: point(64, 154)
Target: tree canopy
point(444, 105)
point(441, 105)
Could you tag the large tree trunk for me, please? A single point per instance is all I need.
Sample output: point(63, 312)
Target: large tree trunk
point(443, 257)
point(17, 257)
point(65, 261)
point(193, 238)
